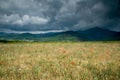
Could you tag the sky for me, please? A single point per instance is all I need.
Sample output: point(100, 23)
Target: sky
point(58, 15)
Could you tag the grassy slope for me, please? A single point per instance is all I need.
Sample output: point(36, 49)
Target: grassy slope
point(60, 61)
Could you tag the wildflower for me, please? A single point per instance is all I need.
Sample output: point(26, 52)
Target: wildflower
point(107, 53)
point(72, 62)
point(64, 51)
point(0, 63)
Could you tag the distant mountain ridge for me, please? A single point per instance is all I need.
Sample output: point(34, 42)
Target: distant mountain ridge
point(93, 34)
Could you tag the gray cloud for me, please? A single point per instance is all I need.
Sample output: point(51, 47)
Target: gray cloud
point(24, 20)
point(59, 14)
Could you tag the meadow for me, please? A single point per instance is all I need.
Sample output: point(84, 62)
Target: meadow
point(60, 61)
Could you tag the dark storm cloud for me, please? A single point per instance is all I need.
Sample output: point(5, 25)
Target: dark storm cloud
point(59, 14)
point(91, 13)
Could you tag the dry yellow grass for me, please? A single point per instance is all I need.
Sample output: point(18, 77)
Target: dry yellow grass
point(60, 61)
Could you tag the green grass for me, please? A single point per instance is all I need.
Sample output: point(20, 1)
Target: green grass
point(60, 61)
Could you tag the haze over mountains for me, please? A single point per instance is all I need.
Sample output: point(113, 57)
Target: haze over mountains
point(93, 34)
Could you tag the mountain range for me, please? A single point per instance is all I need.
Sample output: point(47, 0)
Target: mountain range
point(93, 34)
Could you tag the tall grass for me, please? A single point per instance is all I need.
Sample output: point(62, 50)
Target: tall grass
point(60, 61)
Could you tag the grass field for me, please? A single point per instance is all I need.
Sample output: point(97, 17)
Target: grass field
point(60, 61)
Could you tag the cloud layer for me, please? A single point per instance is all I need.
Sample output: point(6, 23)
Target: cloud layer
point(34, 15)
point(24, 20)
